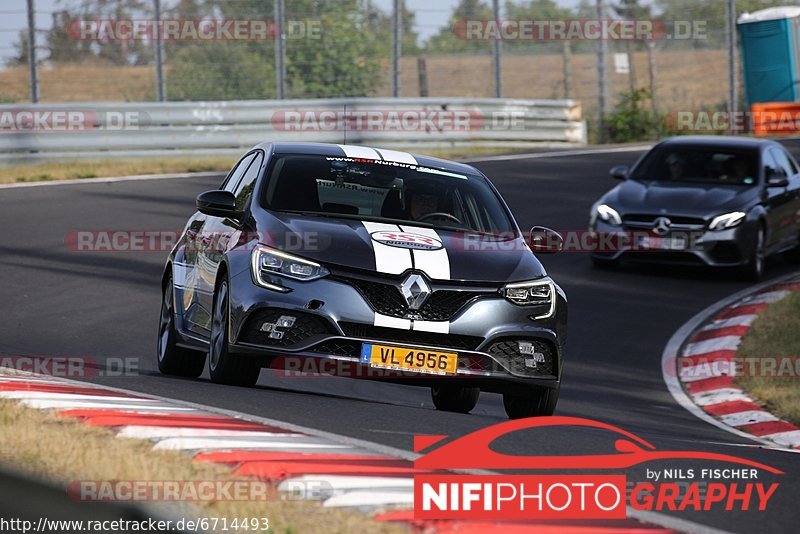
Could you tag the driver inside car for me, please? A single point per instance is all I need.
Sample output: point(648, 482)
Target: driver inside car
point(422, 203)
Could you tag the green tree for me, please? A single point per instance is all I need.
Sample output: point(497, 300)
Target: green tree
point(222, 71)
point(713, 14)
point(447, 42)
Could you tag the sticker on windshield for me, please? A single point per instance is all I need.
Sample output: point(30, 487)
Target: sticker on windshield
point(407, 240)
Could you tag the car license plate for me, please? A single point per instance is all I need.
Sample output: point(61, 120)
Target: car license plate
point(409, 359)
point(663, 243)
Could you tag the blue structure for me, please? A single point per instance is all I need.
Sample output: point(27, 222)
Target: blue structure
point(770, 51)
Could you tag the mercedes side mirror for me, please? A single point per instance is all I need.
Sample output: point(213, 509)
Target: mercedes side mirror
point(620, 172)
point(776, 178)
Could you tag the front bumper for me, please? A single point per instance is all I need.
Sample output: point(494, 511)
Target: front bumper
point(332, 320)
point(727, 248)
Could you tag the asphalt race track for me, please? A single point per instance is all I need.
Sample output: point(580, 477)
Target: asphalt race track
point(105, 305)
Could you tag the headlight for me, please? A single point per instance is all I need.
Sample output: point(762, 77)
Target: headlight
point(608, 214)
point(728, 220)
point(268, 261)
point(540, 293)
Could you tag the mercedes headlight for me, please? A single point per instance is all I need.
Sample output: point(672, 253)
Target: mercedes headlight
point(540, 293)
point(268, 261)
point(727, 220)
point(608, 214)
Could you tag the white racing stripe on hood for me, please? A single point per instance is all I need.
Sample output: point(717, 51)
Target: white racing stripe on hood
point(388, 260)
point(394, 155)
point(352, 151)
point(434, 263)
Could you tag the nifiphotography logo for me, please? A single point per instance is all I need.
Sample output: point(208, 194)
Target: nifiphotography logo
point(723, 482)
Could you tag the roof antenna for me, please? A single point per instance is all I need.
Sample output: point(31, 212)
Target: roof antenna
point(345, 124)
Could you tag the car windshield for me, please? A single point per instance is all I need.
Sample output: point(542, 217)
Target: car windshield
point(384, 191)
point(708, 165)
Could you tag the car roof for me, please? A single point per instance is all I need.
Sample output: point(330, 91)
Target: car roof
point(331, 149)
point(717, 141)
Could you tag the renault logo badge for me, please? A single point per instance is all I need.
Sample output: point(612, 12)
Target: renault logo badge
point(415, 291)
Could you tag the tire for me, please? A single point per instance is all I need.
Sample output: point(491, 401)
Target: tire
point(537, 402)
point(223, 366)
point(450, 398)
point(606, 264)
point(753, 270)
point(172, 359)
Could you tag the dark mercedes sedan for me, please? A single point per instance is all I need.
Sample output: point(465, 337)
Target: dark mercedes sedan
point(389, 265)
point(703, 200)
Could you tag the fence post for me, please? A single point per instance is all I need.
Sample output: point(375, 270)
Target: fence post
point(497, 53)
point(280, 51)
point(733, 104)
point(602, 52)
point(161, 88)
point(567, 60)
point(34, 68)
point(651, 67)
point(397, 46)
point(422, 72)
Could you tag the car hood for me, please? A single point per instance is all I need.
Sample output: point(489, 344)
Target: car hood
point(696, 200)
point(348, 244)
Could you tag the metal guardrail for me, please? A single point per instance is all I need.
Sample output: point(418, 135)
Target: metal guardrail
point(109, 131)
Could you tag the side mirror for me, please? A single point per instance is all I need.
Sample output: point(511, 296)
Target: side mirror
point(218, 203)
point(543, 240)
point(776, 178)
point(620, 172)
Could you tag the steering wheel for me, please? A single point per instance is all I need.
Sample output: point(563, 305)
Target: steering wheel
point(440, 215)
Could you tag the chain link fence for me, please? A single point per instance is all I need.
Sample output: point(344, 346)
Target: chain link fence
point(192, 50)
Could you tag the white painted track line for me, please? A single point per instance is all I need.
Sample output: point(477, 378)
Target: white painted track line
point(164, 432)
point(365, 499)
point(291, 441)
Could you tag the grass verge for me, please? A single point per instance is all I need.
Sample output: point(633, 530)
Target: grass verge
point(774, 334)
point(75, 170)
point(71, 170)
point(61, 450)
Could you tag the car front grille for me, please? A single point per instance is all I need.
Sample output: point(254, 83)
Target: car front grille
point(305, 329)
point(442, 304)
point(412, 337)
point(679, 223)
